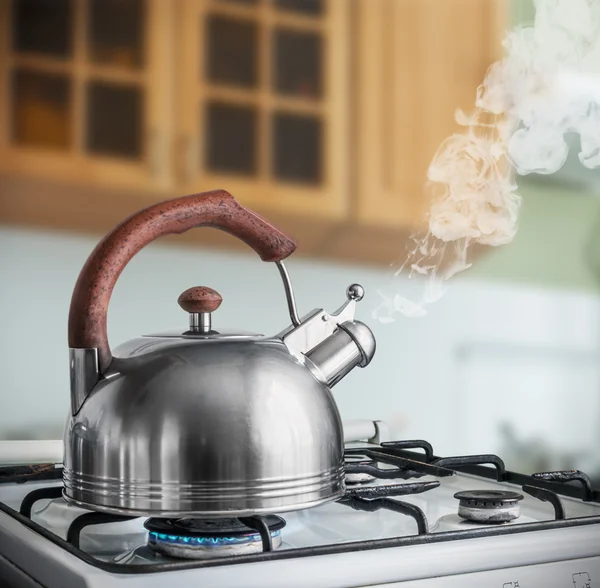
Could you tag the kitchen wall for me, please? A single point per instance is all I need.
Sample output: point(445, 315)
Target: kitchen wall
point(559, 233)
point(514, 341)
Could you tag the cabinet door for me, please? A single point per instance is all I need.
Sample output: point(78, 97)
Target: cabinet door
point(417, 62)
point(263, 103)
point(83, 90)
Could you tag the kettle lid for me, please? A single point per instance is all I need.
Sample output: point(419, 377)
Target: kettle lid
point(200, 302)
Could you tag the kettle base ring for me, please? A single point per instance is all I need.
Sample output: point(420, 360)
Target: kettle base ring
point(202, 499)
point(205, 514)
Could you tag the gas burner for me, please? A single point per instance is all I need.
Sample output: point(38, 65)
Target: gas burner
point(489, 506)
point(209, 538)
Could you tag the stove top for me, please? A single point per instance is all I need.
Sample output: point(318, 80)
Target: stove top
point(400, 499)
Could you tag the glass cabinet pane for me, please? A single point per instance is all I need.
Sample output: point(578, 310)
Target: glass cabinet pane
point(114, 120)
point(43, 26)
point(41, 106)
point(297, 63)
point(296, 147)
point(231, 138)
point(232, 51)
point(308, 7)
point(116, 32)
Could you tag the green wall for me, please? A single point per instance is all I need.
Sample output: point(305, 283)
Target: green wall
point(522, 11)
point(557, 228)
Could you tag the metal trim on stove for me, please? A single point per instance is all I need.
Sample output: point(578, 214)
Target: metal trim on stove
point(12, 575)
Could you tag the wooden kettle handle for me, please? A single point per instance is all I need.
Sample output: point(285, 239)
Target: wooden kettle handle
point(218, 209)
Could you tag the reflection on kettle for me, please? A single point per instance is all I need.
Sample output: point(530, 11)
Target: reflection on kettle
point(204, 421)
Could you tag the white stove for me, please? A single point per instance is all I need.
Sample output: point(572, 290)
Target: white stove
point(408, 519)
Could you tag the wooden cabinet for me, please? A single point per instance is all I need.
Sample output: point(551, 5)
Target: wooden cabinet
point(321, 114)
point(417, 61)
point(83, 91)
point(414, 62)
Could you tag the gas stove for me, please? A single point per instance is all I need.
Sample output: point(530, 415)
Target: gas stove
point(407, 518)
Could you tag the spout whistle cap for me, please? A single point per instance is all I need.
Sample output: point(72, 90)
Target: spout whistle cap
point(363, 338)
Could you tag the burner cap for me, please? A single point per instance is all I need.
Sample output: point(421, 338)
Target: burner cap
point(207, 538)
point(489, 506)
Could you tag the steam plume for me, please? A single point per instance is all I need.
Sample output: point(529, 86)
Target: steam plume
point(547, 85)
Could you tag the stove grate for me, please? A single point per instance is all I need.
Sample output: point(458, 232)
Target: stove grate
point(399, 453)
point(39, 494)
point(547, 496)
point(367, 467)
point(30, 473)
point(375, 492)
point(570, 476)
point(405, 467)
point(388, 504)
point(259, 523)
point(91, 518)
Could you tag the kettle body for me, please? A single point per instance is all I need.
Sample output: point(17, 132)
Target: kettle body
point(204, 422)
point(210, 429)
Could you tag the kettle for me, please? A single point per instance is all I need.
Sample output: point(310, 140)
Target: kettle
point(204, 422)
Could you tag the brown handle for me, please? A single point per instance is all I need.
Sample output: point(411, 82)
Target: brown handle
point(200, 299)
point(218, 209)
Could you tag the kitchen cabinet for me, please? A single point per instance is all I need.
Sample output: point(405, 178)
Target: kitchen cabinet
point(417, 62)
point(414, 63)
point(84, 97)
point(320, 114)
point(263, 105)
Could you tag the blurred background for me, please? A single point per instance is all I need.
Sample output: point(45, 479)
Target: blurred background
point(322, 115)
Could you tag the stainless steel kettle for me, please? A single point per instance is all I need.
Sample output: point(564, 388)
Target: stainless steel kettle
point(204, 422)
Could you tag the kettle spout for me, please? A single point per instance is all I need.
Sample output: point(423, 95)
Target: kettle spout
point(85, 374)
point(353, 344)
point(330, 345)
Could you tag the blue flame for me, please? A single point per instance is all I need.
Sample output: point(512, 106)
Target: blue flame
point(213, 541)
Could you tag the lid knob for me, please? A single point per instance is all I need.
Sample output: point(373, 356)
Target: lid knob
point(200, 302)
point(200, 299)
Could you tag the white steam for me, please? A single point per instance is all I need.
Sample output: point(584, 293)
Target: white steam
point(547, 85)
